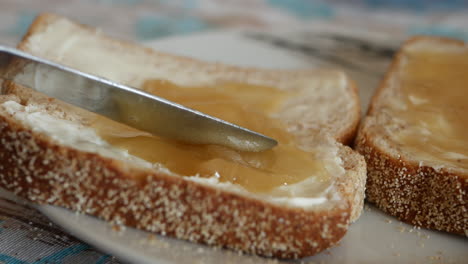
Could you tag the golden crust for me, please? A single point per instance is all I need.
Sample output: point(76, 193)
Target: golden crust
point(401, 186)
point(419, 195)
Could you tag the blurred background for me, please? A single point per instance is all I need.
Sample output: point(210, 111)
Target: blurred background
point(150, 19)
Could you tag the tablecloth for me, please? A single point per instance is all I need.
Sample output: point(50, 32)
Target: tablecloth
point(28, 237)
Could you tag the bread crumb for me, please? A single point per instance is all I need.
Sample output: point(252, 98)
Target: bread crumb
point(367, 208)
point(151, 239)
point(118, 228)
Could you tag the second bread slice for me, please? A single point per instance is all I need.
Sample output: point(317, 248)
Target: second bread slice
point(414, 136)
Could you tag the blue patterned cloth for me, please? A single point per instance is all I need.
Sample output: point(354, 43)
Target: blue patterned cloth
point(26, 236)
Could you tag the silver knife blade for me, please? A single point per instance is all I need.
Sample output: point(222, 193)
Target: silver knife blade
point(125, 104)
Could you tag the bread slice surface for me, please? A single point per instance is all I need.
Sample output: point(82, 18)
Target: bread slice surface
point(414, 184)
point(333, 105)
point(51, 156)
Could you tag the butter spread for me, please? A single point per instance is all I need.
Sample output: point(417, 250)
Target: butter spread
point(433, 86)
point(242, 104)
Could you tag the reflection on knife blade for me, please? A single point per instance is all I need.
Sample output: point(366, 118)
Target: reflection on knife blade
point(149, 113)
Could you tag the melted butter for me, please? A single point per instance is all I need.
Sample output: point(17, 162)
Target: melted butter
point(435, 90)
point(242, 104)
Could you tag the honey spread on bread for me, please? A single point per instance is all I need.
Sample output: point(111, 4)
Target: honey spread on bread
point(247, 105)
point(434, 88)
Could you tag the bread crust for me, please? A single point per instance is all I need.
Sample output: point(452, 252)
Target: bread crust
point(421, 195)
point(36, 168)
point(39, 169)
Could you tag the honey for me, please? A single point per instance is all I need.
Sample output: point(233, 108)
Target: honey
point(434, 87)
point(247, 105)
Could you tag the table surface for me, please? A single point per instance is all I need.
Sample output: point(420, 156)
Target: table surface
point(26, 236)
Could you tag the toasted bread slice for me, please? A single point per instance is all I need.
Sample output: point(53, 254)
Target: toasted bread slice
point(51, 155)
point(413, 137)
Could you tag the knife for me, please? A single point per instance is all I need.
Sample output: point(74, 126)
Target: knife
point(125, 104)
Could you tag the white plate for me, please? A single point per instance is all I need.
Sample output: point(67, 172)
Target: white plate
point(374, 238)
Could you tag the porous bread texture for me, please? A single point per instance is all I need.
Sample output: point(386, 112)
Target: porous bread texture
point(38, 165)
point(430, 194)
point(333, 106)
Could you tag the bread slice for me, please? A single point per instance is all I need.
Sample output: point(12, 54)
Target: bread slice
point(417, 169)
point(50, 154)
